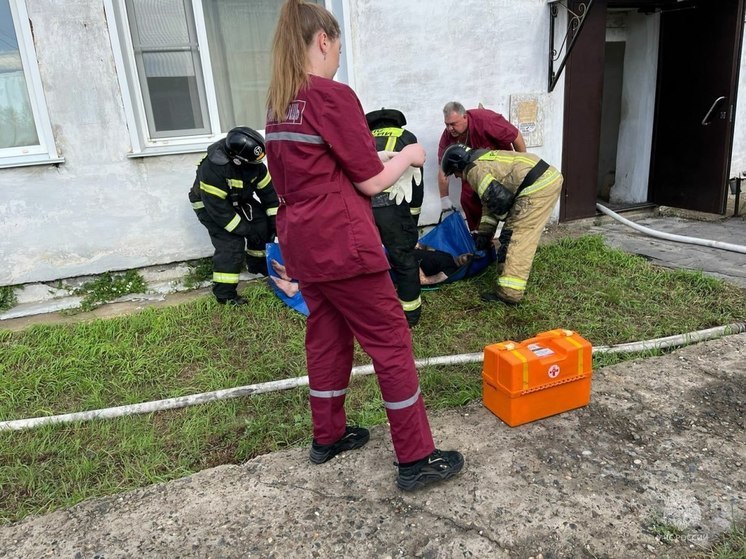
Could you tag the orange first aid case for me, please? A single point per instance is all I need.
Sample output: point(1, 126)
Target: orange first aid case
point(536, 378)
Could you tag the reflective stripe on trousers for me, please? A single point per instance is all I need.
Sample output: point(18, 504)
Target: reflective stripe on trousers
point(364, 308)
point(526, 220)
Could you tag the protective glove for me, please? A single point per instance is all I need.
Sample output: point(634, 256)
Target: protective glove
point(482, 239)
point(402, 188)
point(386, 155)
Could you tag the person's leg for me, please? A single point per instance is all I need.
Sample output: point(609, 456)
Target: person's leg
point(526, 223)
point(503, 243)
point(256, 255)
point(399, 236)
point(371, 309)
point(227, 260)
point(329, 350)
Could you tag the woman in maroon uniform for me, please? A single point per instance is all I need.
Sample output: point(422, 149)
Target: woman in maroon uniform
point(324, 165)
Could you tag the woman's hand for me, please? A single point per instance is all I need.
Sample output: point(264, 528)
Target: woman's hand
point(415, 153)
point(412, 155)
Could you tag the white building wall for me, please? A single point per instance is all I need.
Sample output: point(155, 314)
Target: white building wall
point(419, 54)
point(99, 210)
point(738, 160)
point(638, 107)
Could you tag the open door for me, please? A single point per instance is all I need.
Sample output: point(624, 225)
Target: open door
point(584, 81)
point(699, 56)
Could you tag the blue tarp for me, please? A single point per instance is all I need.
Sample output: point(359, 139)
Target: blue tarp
point(295, 302)
point(451, 235)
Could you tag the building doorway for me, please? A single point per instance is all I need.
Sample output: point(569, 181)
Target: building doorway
point(648, 110)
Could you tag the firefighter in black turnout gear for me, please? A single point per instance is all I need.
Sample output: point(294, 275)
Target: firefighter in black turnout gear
point(235, 200)
point(397, 223)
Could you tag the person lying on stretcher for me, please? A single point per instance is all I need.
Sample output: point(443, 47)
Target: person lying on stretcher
point(435, 267)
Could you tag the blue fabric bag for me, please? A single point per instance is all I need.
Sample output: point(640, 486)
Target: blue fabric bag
point(295, 302)
point(452, 236)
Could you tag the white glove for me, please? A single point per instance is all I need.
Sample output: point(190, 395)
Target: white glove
point(402, 188)
point(386, 155)
point(446, 205)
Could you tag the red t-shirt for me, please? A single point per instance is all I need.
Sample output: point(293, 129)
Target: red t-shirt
point(486, 129)
point(324, 224)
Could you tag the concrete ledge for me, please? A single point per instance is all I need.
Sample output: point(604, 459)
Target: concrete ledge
point(52, 297)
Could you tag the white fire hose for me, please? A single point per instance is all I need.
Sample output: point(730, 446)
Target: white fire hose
point(273, 386)
point(670, 236)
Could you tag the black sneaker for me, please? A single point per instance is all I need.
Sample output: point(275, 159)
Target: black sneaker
point(233, 302)
point(492, 297)
point(440, 465)
point(354, 437)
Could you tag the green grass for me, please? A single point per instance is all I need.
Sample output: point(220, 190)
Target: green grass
point(605, 295)
point(731, 545)
point(8, 297)
point(108, 287)
point(199, 272)
point(663, 531)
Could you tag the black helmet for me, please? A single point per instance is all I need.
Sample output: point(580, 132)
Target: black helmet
point(244, 145)
point(379, 119)
point(455, 158)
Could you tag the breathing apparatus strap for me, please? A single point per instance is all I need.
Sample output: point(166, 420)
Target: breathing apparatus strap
point(532, 175)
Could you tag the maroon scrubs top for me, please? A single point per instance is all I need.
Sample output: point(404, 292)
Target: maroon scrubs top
point(325, 225)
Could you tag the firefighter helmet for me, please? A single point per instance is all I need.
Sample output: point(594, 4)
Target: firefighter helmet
point(455, 158)
point(244, 145)
point(385, 117)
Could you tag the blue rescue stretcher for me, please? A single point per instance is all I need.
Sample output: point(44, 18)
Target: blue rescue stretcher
point(450, 235)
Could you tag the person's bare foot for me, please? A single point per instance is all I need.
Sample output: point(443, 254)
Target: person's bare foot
point(288, 287)
point(280, 269)
point(431, 280)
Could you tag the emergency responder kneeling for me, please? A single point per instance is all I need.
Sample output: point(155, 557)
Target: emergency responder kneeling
point(396, 217)
point(518, 188)
point(235, 200)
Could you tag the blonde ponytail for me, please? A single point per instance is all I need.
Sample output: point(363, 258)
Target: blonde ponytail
point(296, 27)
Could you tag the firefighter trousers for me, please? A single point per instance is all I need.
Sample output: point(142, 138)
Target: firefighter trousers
point(232, 251)
point(519, 238)
point(399, 236)
point(363, 308)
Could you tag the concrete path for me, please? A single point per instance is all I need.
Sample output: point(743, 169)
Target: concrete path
point(726, 265)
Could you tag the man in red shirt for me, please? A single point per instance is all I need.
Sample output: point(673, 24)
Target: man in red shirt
point(475, 128)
